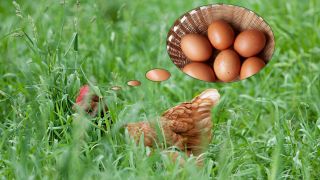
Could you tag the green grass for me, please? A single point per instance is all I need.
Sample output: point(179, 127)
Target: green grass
point(266, 127)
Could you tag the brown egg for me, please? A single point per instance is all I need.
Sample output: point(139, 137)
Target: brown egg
point(134, 83)
point(251, 66)
point(220, 34)
point(196, 47)
point(158, 75)
point(227, 65)
point(249, 43)
point(199, 71)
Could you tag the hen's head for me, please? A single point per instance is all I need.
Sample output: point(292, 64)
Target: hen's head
point(88, 101)
point(210, 94)
point(83, 92)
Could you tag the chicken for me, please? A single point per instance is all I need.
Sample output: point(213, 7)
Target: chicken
point(180, 157)
point(187, 126)
point(89, 102)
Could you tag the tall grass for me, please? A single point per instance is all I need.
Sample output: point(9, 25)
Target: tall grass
point(265, 127)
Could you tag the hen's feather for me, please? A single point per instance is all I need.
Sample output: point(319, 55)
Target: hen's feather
point(187, 126)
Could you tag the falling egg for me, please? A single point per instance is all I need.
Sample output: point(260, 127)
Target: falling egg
point(196, 47)
point(158, 75)
point(249, 43)
point(115, 88)
point(134, 83)
point(200, 71)
point(221, 34)
point(227, 65)
point(251, 66)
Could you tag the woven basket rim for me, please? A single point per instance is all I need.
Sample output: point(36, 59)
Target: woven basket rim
point(218, 4)
point(178, 21)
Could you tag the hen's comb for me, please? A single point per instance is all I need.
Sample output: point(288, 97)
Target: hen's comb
point(84, 90)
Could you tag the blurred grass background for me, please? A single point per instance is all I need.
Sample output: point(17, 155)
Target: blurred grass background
point(266, 127)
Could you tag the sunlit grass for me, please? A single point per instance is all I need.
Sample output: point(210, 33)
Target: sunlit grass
point(265, 127)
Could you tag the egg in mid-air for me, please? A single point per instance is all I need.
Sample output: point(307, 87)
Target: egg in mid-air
point(134, 83)
point(158, 75)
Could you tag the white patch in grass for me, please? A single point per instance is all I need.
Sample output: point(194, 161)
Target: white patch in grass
point(148, 151)
point(272, 141)
point(113, 36)
point(296, 160)
point(99, 158)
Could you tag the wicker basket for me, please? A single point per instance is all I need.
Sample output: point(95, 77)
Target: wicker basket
point(198, 20)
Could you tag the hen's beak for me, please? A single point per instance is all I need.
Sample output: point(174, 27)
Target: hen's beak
point(211, 94)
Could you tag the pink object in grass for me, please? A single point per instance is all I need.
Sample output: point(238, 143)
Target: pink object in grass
point(84, 90)
point(88, 101)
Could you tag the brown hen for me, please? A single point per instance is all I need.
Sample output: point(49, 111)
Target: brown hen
point(187, 126)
